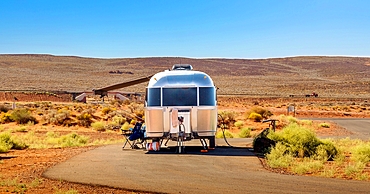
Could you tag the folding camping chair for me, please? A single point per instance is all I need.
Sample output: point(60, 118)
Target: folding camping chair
point(134, 136)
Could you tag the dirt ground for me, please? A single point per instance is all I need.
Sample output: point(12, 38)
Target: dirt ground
point(21, 170)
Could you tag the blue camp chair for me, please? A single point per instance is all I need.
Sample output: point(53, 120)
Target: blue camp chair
point(135, 136)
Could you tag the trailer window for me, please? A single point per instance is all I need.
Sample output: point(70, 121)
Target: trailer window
point(179, 96)
point(154, 96)
point(207, 96)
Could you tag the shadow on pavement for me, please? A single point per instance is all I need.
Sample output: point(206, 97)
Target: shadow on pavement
point(196, 150)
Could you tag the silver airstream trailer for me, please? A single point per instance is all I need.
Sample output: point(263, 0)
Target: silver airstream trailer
point(180, 105)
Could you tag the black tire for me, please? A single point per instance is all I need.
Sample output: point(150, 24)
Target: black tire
point(212, 142)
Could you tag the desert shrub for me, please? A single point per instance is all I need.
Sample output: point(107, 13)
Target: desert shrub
point(8, 142)
point(135, 106)
point(353, 169)
point(21, 129)
point(325, 125)
point(107, 110)
point(5, 144)
point(137, 109)
point(255, 117)
point(111, 114)
point(226, 118)
point(18, 144)
point(279, 156)
point(84, 119)
point(326, 150)
point(125, 126)
point(5, 117)
point(286, 120)
point(52, 134)
point(238, 124)
point(301, 142)
point(119, 120)
point(226, 134)
point(306, 122)
point(245, 132)
point(60, 117)
point(98, 126)
point(308, 165)
point(361, 153)
point(72, 140)
point(264, 113)
point(22, 116)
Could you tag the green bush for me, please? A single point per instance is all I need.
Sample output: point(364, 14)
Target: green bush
point(8, 142)
point(18, 144)
point(308, 165)
point(5, 117)
point(306, 122)
point(286, 120)
point(245, 132)
point(72, 140)
point(354, 169)
point(255, 117)
point(259, 110)
point(22, 116)
point(361, 153)
point(228, 134)
point(325, 151)
point(107, 110)
point(301, 142)
point(118, 120)
point(125, 126)
point(84, 119)
point(279, 156)
point(238, 124)
point(22, 128)
point(5, 143)
point(98, 126)
point(60, 117)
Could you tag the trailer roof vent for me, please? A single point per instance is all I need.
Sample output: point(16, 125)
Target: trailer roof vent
point(186, 67)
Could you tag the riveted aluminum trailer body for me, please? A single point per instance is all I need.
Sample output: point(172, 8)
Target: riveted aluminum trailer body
point(182, 93)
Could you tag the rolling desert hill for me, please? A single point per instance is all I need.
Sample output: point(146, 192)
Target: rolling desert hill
point(342, 77)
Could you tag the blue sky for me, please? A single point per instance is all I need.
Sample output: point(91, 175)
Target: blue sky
point(196, 29)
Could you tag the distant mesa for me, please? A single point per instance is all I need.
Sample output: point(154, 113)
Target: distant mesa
point(120, 72)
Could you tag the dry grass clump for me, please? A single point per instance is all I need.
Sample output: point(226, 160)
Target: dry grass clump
point(257, 114)
point(98, 126)
point(85, 119)
point(22, 116)
point(7, 142)
point(225, 133)
point(60, 117)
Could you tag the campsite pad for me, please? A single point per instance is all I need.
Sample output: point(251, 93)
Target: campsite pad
point(225, 169)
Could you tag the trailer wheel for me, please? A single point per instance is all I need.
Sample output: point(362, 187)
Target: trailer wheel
point(212, 142)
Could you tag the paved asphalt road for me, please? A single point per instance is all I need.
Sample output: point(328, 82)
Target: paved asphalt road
point(223, 170)
point(359, 127)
